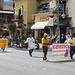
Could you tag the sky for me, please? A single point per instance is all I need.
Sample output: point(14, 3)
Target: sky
point(7, 0)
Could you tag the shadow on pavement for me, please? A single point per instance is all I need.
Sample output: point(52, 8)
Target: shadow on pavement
point(36, 57)
point(5, 52)
point(62, 61)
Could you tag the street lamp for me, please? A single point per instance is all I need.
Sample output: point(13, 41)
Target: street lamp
point(58, 31)
point(63, 16)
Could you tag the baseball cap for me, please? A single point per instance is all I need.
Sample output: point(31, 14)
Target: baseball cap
point(45, 34)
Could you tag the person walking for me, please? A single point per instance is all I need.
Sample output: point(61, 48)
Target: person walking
point(71, 42)
point(30, 42)
point(45, 44)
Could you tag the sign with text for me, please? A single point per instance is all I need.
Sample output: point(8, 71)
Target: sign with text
point(43, 18)
point(60, 50)
point(55, 19)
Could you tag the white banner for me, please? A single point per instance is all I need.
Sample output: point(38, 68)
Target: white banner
point(60, 50)
point(32, 46)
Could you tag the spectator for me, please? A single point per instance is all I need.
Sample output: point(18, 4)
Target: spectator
point(53, 38)
point(49, 38)
point(62, 38)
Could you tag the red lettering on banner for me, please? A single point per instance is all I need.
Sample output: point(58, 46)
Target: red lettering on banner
point(60, 46)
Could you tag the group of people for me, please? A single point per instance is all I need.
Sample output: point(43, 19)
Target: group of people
point(48, 40)
point(56, 39)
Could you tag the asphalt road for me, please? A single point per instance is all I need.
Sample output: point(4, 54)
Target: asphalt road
point(18, 62)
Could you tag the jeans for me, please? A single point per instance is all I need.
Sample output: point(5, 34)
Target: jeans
point(72, 51)
point(45, 49)
point(30, 52)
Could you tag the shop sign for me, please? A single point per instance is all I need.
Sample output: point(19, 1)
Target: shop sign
point(44, 18)
point(55, 19)
point(60, 50)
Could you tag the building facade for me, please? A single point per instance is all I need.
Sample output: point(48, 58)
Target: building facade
point(41, 16)
point(6, 17)
point(24, 10)
point(71, 10)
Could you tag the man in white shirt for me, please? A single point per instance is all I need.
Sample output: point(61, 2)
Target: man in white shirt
point(30, 42)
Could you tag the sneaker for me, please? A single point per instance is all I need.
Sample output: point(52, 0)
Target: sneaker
point(44, 59)
point(71, 57)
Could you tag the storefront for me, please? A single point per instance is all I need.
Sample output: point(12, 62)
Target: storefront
point(40, 26)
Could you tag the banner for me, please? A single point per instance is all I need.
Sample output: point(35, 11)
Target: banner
point(55, 19)
point(3, 43)
point(60, 50)
point(32, 46)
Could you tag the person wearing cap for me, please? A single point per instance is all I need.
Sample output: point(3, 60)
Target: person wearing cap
point(71, 42)
point(45, 43)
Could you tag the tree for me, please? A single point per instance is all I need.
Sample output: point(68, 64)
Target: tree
point(12, 29)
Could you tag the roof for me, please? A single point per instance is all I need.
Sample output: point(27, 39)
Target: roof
point(10, 8)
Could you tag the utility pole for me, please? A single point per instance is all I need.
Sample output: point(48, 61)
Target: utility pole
point(58, 30)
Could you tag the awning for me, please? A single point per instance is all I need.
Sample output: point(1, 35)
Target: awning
point(43, 6)
point(42, 25)
point(62, 22)
point(6, 12)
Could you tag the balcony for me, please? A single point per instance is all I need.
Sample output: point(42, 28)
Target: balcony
point(18, 18)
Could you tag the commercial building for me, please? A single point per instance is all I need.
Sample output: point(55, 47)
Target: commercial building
point(24, 10)
point(39, 16)
point(48, 12)
point(6, 16)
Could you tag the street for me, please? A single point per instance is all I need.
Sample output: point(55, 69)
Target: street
point(18, 62)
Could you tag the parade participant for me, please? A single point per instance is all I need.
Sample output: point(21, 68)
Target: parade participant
point(71, 42)
point(30, 41)
point(45, 44)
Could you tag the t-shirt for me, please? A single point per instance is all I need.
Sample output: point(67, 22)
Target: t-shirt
point(71, 41)
point(45, 41)
point(74, 41)
point(30, 41)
